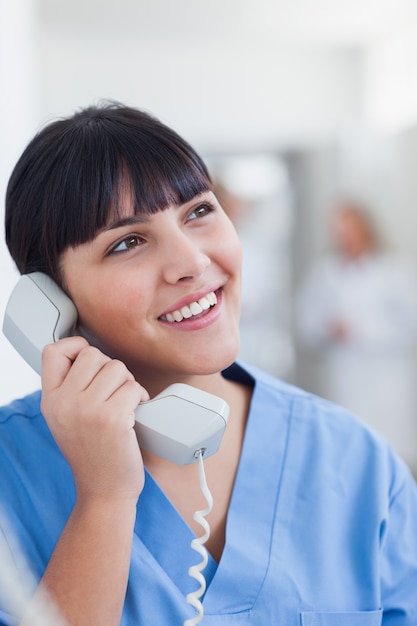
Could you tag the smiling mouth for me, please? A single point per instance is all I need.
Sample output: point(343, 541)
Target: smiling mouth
point(191, 310)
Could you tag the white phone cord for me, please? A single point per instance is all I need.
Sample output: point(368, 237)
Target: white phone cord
point(198, 545)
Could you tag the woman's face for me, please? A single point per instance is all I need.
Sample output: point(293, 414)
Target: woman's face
point(161, 292)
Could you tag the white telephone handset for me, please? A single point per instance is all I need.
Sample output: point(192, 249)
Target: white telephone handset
point(176, 424)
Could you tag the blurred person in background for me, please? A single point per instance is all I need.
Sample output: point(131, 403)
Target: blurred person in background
point(357, 310)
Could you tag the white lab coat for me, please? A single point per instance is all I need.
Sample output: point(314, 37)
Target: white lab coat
point(373, 371)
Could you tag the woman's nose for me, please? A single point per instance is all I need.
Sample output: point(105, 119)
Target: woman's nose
point(183, 258)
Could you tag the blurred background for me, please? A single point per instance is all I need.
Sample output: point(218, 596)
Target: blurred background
point(292, 103)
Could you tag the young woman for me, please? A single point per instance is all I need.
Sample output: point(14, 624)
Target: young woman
point(314, 518)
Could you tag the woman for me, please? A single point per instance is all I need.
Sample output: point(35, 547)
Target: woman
point(314, 519)
point(362, 326)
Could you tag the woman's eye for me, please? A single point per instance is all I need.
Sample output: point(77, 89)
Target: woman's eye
point(200, 211)
point(128, 243)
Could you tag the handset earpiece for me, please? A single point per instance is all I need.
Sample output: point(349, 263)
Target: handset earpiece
point(38, 312)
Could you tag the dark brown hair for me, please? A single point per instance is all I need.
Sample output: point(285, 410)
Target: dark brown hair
point(68, 180)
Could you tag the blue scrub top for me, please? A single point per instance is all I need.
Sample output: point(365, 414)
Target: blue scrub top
point(321, 529)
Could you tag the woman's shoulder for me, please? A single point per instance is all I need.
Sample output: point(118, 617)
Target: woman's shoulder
point(23, 428)
point(29, 455)
point(25, 408)
point(245, 373)
point(321, 427)
point(326, 443)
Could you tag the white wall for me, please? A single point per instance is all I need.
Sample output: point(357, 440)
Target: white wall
point(390, 87)
point(19, 115)
point(390, 111)
point(219, 95)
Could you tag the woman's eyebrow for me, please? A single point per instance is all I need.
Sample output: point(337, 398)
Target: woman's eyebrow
point(132, 220)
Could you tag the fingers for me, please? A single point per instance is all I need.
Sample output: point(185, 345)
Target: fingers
point(77, 370)
point(88, 401)
point(113, 387)
point(58, 358)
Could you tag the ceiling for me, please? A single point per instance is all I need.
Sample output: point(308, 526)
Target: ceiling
point(290, 22)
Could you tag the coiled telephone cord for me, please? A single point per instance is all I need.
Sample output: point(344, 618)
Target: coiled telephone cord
point(198, 545)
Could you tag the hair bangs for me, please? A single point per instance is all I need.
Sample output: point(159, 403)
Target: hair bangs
point(156, 172)
point(169, 175)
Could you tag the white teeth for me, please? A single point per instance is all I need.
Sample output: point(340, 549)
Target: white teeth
point(195, 308)
point(185, 312)
point(212, 298)
point(204, 303)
